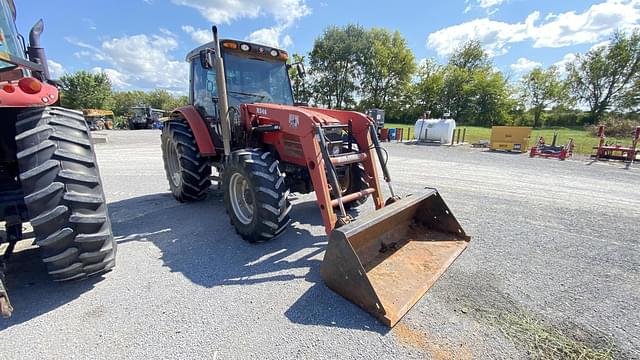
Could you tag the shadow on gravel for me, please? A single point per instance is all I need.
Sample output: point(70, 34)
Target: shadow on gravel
point(505, 152)
point(198, 241)
point(33, 293)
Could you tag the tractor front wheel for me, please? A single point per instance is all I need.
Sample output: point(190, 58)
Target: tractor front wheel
point(353, 180)
point(255, 195)
point(188, 172)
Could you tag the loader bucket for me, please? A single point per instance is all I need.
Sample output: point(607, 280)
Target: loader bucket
point(385, 261)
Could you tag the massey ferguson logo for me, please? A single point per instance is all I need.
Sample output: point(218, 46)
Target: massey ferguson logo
point(293, 121)
point(261, 111)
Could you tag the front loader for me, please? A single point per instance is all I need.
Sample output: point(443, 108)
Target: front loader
point(243, 121)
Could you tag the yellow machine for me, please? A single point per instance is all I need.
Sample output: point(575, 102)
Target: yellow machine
point(510, 138)
point(99, 119)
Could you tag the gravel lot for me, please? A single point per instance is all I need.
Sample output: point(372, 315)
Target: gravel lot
point(555, 250)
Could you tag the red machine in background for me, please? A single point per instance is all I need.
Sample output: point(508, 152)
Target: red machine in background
point(606, 151)
point(545, 150)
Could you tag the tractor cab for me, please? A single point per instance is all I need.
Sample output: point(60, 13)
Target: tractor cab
point(254, 74)
point(9, 42)
point(24, 75)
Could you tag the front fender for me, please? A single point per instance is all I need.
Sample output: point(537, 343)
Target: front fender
point(198, 127)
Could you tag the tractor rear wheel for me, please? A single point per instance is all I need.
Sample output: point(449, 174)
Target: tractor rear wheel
point(188, 172)
point(63, 193)
point(255, 195)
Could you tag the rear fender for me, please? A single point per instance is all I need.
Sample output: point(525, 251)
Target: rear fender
point(198, 127)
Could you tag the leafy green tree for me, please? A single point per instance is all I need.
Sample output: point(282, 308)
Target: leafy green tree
point(386, 70)
point(470, 57)
point(161, 99)
point(85, 90)
point(428, 88)
point(300, 85)
point(123, 101)
point(472, 90)
point(336, 61)
point(604, 76)
point(541, 89)
point(456, 92)
point(630, 101)
point(490, 103)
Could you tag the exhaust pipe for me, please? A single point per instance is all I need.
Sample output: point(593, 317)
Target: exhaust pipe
point(36, 51)
point(222, 94)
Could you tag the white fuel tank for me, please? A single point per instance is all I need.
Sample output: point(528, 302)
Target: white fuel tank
point(437, 130)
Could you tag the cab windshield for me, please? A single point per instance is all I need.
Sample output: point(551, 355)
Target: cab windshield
point(8, 35)
point(252, 79)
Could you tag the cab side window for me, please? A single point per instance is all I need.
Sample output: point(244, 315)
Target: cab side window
point(204, 91)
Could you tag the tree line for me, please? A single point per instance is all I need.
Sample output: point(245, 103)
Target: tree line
point(86, 90)
point(351, 67)
point(354, 68)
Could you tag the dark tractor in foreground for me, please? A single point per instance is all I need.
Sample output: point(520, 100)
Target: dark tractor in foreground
point(242, 120)
point(48, 170)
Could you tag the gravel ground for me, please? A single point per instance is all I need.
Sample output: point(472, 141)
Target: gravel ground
point(554, 243)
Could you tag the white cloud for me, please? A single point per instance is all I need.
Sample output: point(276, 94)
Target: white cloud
point(562, 64)
point(491, 6)
point(118, 79)
point(599, 21)
point(490, 3)
point(141, 61)
point(565, 29)
point(56, 69)
point(226, 11)
point(287, 41)
point(494, 36)
point(146, 60)
point(601, 44)
point(201, 36)
point(266, 36)
point(272, 36)
point(284, 12)
point(523, 65)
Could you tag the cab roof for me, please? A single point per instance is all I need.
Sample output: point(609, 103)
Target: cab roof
point(210, 45)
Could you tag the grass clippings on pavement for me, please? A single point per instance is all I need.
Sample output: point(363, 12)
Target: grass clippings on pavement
point(543, 341)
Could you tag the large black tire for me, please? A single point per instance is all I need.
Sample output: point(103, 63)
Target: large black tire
point(188, 172)
point(63, 193)
point(264, 190)
point(354, 180)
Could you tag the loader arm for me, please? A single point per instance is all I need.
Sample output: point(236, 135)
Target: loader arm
point(304, 126)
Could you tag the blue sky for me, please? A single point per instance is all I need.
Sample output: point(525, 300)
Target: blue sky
point(141, 44)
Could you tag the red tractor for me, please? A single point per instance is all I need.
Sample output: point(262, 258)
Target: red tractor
point(48, 170)
point(243, 122)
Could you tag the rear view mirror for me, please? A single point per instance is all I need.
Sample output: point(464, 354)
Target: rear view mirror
point(206, 59)
point(300, 69)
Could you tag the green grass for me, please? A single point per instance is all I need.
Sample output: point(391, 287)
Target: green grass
point(546, 342)
point(584, 141)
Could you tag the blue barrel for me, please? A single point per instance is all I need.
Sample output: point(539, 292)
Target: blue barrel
point(392, 134)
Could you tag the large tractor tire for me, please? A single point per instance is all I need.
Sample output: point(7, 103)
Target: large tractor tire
point(353, 180)
point(255, 195)
point(188, 172)
point(63, 193)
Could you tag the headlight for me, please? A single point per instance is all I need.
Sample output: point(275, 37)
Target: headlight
point(336, 149)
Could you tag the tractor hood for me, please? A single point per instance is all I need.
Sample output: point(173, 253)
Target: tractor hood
point(306, 118)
